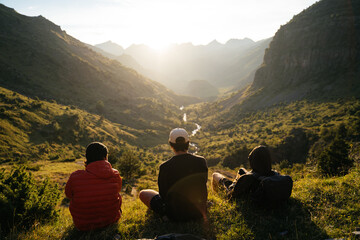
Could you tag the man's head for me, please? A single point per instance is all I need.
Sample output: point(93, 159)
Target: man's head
point(96, 151)
point(260, 160)
point(179, 140)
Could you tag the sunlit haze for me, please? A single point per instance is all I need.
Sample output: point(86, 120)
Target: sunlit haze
point(158, 23)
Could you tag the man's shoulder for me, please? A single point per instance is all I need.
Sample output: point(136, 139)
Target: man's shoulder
point(184, 160)
point(77, 174)
point(176, 158)
point(190, 156)
point(198, 157)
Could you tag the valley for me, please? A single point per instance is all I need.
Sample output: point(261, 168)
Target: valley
point(296, 92)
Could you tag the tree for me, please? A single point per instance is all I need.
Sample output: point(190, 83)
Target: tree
point(335, 160)
point(23, 201)
point(129, 165)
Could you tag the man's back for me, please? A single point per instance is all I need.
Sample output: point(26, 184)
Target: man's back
point(182, 185)
point(94, 196)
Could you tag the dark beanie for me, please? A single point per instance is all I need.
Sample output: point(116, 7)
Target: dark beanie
point(95, 151)
point(260, 160)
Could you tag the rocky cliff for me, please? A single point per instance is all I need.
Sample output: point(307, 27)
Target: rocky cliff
point(316, 54)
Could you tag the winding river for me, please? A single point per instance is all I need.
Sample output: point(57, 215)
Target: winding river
point(198, 127)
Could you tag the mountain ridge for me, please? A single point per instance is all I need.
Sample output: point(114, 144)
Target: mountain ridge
point(219, 64)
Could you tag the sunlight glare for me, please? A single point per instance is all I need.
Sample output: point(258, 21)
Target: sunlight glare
point(157, 45)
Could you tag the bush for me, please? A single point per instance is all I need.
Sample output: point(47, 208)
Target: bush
point(236, 157)
point(335, 160)
point(129, 165)
point(284, 164)
point(24, 202)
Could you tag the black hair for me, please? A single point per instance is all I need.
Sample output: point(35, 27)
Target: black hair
point(260, 160)
point(180, 145)
point(95, 151)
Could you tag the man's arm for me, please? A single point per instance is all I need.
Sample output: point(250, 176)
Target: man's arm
point(68, 190)
point(162, 182)
point(242, 186)
point(119, 180)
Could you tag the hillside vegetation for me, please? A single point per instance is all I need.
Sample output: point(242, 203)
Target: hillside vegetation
point(320, 207)
point(33, 130)
point(295, 131)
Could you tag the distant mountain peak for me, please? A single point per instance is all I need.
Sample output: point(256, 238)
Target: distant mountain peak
point(214, 43)
point(111, 47)
point(239, 43)
point(236, 40)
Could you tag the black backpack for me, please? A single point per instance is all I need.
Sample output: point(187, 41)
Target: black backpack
point(272, 190)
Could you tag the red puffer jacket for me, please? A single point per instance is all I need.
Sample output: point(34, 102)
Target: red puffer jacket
point(94, 196)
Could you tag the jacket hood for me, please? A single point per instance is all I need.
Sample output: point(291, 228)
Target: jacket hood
point(260, 160)
point(101, 169)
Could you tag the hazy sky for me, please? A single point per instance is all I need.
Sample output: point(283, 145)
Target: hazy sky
point(160, 22)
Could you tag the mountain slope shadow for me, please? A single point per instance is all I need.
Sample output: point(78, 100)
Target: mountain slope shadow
point(288, 221)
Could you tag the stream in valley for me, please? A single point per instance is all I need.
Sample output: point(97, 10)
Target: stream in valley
point(193, 132)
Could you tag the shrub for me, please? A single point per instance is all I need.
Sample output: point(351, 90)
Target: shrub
point(129, 165)
point(24, 202)
point(284, 164)
point(295, 146)
point(335, 160)
point(236, 157)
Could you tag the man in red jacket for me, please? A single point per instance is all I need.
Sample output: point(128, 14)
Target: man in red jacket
point(94, 196)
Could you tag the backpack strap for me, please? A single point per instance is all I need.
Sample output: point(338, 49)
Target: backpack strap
point(260, 177)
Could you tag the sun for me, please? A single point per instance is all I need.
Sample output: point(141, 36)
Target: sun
point(158, 45)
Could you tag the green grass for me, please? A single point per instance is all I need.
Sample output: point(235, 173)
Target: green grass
point(333, 202)
point(319, 208)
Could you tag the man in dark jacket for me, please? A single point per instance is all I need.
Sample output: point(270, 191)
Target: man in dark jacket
point(245, 181)
point(182, 182)
point(94, 196)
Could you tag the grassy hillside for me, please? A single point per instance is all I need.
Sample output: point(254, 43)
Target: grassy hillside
point(33, 130)
point(202, 89)
point(294, 132)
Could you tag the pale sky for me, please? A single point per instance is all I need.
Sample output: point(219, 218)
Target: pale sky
point(161, 22)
